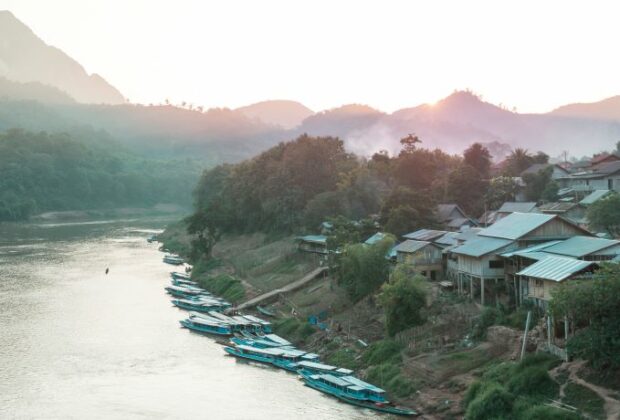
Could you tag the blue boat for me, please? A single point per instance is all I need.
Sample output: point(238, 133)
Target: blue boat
point(277, 339)
point(200, 305)
point(173, 259)
point(179, 276)
point(265, 325)
point(152, 238)
point(184, 283)
point(207, 327)
point(312, 368)
point(185, 291)
point(278, 357)
point(354, 391)
point(258, 343)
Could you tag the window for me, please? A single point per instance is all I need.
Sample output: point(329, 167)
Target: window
point(496, 264)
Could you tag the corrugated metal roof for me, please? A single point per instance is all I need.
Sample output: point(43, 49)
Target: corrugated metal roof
point(556, 207)
point(377, 237)
point(580, 246)
point(532, 248)
point(318, 239)
point(555, 268)
point(447, 240)
point(480, 246)
point(516, 207)
point(410, 246)
point(594, 196)
point(425, 234)
point(516, 225)
point(459, 221)
point(444, 211)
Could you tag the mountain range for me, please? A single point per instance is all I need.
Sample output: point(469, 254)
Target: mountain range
point(42, 88)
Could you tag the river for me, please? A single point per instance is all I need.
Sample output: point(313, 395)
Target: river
point(77, 343)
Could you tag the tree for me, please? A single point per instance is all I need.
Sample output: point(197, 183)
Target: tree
point(518, 161)
point(409, 142)
point(605, 214)
point(478, 157)
point(501, 189)
point(406, 210)
point(467, 189)
point(540, 157)
point(592, 305)
point(540, 184)
point(403, 300)
point(363, 269)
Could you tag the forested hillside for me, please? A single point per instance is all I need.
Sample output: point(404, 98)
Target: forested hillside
point(83, 170)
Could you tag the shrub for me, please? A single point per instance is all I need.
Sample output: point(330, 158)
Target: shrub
point(585, 400)
point(387, 375)
point(381, 352)
point(492, 402)
point(533, 381)
point(544, 412)
point(344, 358)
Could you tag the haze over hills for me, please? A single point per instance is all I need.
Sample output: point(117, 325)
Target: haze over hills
point(282, 113)
point(26, 58)
point(39, 87)
point(607, 109)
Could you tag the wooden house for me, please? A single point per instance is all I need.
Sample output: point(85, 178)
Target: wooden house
point(316, 244)
point(425, 257)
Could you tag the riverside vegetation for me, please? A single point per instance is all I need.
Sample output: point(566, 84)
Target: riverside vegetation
point(425, 346)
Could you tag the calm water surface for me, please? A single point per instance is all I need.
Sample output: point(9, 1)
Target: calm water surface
point(75, 343)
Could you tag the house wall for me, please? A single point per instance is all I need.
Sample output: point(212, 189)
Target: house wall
point(555, 229)
point(479, 267)
point(541, 289)
point(428, 255)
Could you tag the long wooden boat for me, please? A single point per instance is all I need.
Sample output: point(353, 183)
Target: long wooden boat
point(313, 368)
point(180, 276)
point(207, 327)
point(173, 259)
point(200, 305)
point(354, 391)
point(186, 291)
point(181, 282)
point(282, 358)
point(258, 343)
point(265, 325)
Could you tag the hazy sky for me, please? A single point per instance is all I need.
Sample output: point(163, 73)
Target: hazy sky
point(533, 55)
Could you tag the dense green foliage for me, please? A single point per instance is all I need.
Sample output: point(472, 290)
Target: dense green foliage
point(223, 285)
point(364, 268)
point(540, 186)
point(592, 306)
point(510, 390)
point(85, 170)
point(605, 214)
point(403, 300)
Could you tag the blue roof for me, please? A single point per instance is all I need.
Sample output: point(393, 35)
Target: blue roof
point(319, 239)
point(516, 225)
point(580, 246)
point(410, 246)
point(425, 234)
point(480, 246)
point(594, 196)
point(377, 237)
point(530, 249)
point(555, 268)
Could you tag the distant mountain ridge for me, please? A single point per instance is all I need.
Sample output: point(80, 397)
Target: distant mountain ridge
point(282, 113)
point(607, 109)
point(26, 58)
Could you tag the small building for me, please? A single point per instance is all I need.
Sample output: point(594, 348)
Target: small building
point(510, 207)
point(316, 244)
point(557, 172)
point(545, 275)
point(377, 237)
point(604, 176)
point(594, 196)
point(569, 210)
point(425, 235)
point(453, 217)
point(425, 257)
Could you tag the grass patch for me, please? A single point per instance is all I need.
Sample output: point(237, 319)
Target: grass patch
point(584, 399)
point(293, 329)
point(388, 376)
point(223, 285)
point(344, 358)
point(383, 351)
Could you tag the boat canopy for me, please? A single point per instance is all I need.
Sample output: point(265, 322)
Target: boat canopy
point(277, 339)
point(323, 367)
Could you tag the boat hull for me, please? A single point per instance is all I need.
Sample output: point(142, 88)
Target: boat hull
point(221, 331)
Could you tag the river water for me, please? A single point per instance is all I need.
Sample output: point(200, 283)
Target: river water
point(77, 343)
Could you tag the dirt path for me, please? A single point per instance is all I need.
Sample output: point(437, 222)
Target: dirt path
point(612, 405)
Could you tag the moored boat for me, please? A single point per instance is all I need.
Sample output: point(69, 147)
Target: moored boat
point(279, 357)
point(181, 282)
point(265, 325)
point(173, 259)
point(179, 276)
point(258, 342)
point(152, 238)
point(186, 291)
point(205, 326)
point(311, 368)
point(200, 305)
point(354, 391)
